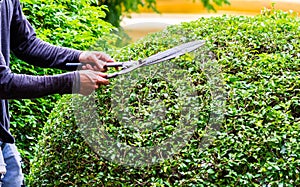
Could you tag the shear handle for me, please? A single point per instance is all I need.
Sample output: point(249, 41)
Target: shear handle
point(111, 64)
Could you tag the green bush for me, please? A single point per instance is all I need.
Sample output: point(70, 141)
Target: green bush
point(74, 24)
point(257, 143)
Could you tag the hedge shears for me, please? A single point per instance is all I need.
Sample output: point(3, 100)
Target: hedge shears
point(129, 66)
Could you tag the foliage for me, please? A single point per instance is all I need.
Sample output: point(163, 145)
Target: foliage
point(74, 24)
point(258, 142)
point(120, 8)
point(209, 5)
point(68, 23)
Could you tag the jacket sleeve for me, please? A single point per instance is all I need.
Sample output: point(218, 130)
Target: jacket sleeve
point(20, 86)
point(26, 46)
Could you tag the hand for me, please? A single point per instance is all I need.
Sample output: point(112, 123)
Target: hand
point(94, 60)
point(91, 80)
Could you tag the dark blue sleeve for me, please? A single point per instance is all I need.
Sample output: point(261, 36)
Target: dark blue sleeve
point(26, 46)
point(20, 86)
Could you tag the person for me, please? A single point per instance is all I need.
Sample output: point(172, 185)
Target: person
point(18, 37)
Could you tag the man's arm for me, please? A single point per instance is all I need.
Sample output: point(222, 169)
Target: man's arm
point(20, 86)
point(15, 86)
point(26, 46)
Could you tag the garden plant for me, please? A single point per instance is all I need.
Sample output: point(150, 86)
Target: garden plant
point(77, 24)
point(257, 143)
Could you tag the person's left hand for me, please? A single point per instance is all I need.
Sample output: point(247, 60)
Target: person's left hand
point(94, 60)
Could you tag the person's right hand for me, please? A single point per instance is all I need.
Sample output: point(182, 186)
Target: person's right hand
point(91, 80)
point(94, 60)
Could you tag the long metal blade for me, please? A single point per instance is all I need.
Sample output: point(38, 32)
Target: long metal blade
point(163, 56)
point(174, 52)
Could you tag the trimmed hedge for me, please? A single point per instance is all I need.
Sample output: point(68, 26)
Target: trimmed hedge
point(258, 142)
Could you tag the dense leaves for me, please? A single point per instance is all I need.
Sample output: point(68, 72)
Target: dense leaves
point(76, 24)
point(258, 142)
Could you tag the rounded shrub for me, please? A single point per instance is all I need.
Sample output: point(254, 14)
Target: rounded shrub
point(257, 143)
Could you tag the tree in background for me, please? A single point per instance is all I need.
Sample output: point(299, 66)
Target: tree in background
point(119, 8)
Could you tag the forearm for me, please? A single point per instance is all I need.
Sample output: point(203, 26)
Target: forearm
point(19, 86)
point(26, 46)
point(40, 53)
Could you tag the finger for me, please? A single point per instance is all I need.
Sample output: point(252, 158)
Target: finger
point(104, 69)
point(110, 60)
point(86, 67)
point(103, 63)
point(90, 67)
point(105, 57)
point(96, 69)
point(104, 75)
point(102, 81)
point(99, 63)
